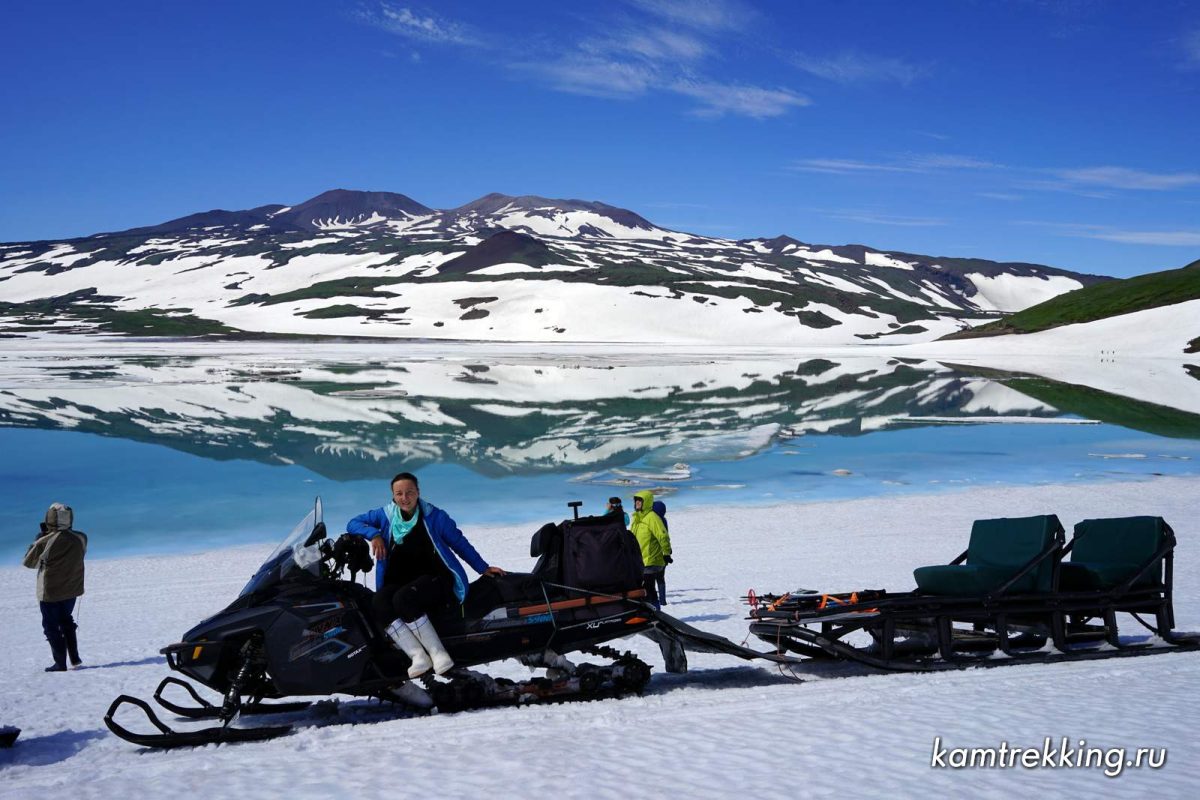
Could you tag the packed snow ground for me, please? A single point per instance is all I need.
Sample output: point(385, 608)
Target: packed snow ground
point(726, 728)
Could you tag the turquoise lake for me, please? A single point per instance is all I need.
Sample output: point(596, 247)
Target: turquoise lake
point(178, 453)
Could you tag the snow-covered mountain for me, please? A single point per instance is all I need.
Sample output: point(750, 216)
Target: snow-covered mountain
point(349, 263)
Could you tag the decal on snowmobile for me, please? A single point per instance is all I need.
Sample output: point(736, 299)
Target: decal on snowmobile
point(314, 644)
point(332, 606)
point(591, 626)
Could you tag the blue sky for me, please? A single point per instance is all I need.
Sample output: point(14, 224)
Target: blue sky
point(1063, 132)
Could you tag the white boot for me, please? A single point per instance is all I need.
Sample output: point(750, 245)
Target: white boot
point(402, 636)
point(427, 636)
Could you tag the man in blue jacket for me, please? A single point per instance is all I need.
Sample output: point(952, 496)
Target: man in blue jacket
point(414, 543)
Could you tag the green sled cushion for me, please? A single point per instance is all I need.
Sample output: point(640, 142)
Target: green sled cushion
point(1077, 576)
point(999, 548)
point(959, 579)
point(1106, 552)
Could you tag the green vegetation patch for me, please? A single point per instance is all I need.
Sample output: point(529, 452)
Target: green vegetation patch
point(1098, 301)
point(899, 330)
point(94, 313)
point(1111, 408)
point(468, 302)
point(342, 287)
point(343, 310)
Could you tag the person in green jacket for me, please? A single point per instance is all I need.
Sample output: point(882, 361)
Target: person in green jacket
point(652, 537)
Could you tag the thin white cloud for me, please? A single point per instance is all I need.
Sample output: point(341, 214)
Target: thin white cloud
point(1124, 178)
point(595, 76)
point(1175, 238)
point(662, 53)
point(1191, 50)
point(635, 61)
point(654, 44)
point(719, 99)
point(873, 218)
point(845, 166)
point(712, 15)
point(854, 67)
point(1000, 196)
point(912, 162)
point(599, 76)
point(948, 161)
point(1042, 185)
point(418, 26)
point(1161, 238)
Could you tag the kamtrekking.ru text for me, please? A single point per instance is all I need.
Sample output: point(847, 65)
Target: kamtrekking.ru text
point(1051, 755)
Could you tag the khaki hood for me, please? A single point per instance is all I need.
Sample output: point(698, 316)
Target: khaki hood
point(59, 517)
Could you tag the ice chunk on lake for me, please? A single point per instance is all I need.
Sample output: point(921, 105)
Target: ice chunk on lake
point(718, 447)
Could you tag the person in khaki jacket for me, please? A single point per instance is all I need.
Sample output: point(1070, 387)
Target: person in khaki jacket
point(57, 554)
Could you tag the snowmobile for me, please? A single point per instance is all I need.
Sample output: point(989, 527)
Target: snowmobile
point(299, 629)
point(1018, 594)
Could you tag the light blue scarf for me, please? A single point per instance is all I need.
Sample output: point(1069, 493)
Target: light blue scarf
point(400, 527)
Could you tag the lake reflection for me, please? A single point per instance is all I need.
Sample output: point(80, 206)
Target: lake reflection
point(186, 451)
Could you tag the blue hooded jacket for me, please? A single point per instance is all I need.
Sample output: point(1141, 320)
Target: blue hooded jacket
point(660, 508)
point(443, 532)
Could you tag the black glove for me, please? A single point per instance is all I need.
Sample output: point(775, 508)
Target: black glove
point(668, 559)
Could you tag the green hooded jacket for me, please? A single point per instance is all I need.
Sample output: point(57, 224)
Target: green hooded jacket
point(650, 531)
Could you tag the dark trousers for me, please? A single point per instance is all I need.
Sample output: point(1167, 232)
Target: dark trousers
point(410, 601)
point(662, 587)
point(650, 577)
point(59, 627)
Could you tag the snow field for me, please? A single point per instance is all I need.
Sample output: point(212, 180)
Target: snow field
point(726, 728)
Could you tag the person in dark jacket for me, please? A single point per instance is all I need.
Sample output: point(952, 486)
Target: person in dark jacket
point(614, 507)
point(57, 554)
point(660, 508)
point(414, 544)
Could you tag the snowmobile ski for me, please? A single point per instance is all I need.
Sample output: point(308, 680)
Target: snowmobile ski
point(168, 738)
point(206, 710)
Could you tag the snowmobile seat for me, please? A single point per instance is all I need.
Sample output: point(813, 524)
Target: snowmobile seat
point(1006, 555)
point(1106, 553)
point(490, 592)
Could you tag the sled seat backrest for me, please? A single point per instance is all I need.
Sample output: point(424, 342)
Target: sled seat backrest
point(1106, 553)
point(600, 554)
point(1010, 555)
point(591, 553)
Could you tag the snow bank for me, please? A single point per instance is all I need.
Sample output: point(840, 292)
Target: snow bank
point(1007, 292)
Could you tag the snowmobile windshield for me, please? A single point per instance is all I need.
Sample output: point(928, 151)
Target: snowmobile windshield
point(290, 555)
